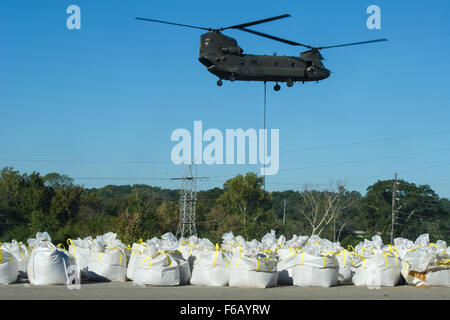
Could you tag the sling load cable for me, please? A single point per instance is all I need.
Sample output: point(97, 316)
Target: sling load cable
point(265, 135)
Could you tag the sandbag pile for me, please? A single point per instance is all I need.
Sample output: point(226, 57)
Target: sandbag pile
point(47, 264)
point(9, 265)
point(255, 265)
point(166, 261)
point(80, 252)
point(379, 266)
point(158, 262)
point(317, 265)
point(107, 259)
point(426, 264)
point(21, 252)
point(288, 255)
point(210, 265)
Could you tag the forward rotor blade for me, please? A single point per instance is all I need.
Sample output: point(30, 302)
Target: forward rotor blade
point(248, 24)
point(175, 24)
point(352, 44)
point(292, 43)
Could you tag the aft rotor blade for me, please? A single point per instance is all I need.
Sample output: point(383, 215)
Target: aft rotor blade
point(248, 24)
point(292, 43)
point(352, 44)
point(175, 24)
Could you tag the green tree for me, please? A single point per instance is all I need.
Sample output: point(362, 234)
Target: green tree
point(244, 200)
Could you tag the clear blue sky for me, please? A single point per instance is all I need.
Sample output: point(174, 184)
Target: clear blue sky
point(100, 103)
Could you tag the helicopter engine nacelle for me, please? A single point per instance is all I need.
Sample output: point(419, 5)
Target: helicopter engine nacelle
point(232, 50)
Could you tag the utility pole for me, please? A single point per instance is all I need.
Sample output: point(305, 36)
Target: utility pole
point(188, 201)
point(284, 212)
point(394, 198)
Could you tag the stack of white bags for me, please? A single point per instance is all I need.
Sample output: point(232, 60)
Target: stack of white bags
point(9, 266)
point(107, 259)
point(210, 265)
point(80, 250)
point(317, 265)
point(301, 261)
point(158, 262)
point(425, 263)
point(254, 265)
point(47, 264)
point(379, 265)
point(288, 255)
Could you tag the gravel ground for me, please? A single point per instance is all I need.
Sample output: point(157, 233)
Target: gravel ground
point(127, 291)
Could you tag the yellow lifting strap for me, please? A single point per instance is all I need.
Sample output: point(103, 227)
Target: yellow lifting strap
point(70, 242)
point(325, 258)
point(345, 257)
point(301, 257)
point(385, 254)
point(258, 264)
point(216, 254)
point(21, 253)
point(444, 263)
point(405, 268)
point(240, 256)
point(142, 262)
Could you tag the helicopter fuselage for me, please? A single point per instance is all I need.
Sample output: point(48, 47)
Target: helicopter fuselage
point(224, 58)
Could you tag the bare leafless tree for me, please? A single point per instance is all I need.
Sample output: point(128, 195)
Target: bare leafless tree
point(321, 207)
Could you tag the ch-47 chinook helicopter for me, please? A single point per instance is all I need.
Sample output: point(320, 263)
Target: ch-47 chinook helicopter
point(224, 58)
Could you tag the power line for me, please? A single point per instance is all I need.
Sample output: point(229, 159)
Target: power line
point(368, 141)
point(90, 161)
point(364, 160)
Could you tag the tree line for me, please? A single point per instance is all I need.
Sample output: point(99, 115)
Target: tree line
point(30, 203)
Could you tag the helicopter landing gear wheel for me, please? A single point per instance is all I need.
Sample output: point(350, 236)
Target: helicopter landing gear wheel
point(277, 87)
point(290, 83)
point(219, 83)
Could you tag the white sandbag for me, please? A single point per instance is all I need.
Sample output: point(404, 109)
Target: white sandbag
point(160, 270)
point(288, 259)
point(137, 250)
point(316, 270)
point(347, 261)
point(47, 265)
point(9, 268)
point(107, 261)
point(21, 253)
point(253, 271)
point(428, 264)
point(378, 270)
point(158, 262)
point(80, 251)
point(186, 247)
point(210, 266)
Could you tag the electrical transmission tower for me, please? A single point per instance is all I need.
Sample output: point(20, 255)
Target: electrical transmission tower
point(188, 201)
